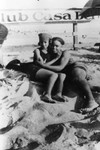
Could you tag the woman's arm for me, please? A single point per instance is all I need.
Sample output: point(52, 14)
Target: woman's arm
point(37, 56)
point(64, 61)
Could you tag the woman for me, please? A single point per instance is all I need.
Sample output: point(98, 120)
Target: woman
point(76, 72)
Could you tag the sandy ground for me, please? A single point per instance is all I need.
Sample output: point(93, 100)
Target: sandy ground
point(73, 135)
point(46, 127)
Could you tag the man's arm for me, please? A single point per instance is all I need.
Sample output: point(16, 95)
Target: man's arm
point(52, 61)
point(64, 61)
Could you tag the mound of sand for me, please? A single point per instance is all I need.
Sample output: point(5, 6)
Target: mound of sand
point(26, 122)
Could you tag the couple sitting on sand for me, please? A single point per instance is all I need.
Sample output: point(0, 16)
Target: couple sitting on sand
point(54, 65)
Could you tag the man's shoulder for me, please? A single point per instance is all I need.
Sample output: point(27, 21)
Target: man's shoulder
point(66, 52)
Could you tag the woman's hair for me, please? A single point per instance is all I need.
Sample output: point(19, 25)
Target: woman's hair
point(43, 37)
point(58, 39)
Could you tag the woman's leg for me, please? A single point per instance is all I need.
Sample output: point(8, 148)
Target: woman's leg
point(79, 79)
point(44, 75)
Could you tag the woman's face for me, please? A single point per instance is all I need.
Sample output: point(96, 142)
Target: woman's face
point(45, 44)
point(56, 46)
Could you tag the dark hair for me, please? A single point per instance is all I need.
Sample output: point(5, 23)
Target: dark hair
point(3, 33)
point(58, 39)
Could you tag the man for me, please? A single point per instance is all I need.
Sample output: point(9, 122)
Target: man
point(3, 35)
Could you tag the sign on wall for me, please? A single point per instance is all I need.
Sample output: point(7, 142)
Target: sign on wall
point(38, 16)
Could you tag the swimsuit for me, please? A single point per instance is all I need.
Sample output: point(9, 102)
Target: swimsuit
point(33, 68)
point(68, 69)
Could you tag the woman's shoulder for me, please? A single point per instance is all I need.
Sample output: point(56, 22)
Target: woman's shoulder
point(37, 50)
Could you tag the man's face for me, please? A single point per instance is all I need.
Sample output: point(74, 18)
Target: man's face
point(56, 46)
point(1, 41)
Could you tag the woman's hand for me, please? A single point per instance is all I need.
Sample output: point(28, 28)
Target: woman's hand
point(40, 60)
point(39, 63)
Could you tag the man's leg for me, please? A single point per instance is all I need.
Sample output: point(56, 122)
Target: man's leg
point(59, 88)
point(79, 79)
point(60, 83)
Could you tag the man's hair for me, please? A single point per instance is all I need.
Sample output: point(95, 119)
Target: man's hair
point(58, 39)
point(3, 33)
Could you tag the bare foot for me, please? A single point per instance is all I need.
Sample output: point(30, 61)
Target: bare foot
point(92, 105)
point(47, 99)
point(65, 98)
point(58, 98)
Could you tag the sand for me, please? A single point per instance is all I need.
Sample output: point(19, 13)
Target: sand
point(27, 123)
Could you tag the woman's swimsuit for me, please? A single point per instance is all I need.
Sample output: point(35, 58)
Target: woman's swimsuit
point(33, 68)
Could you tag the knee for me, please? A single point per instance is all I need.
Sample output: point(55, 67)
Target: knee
point(81, 82)
point(79, 74)
point(62, 76)
point(79, 79)
point(54, 75)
